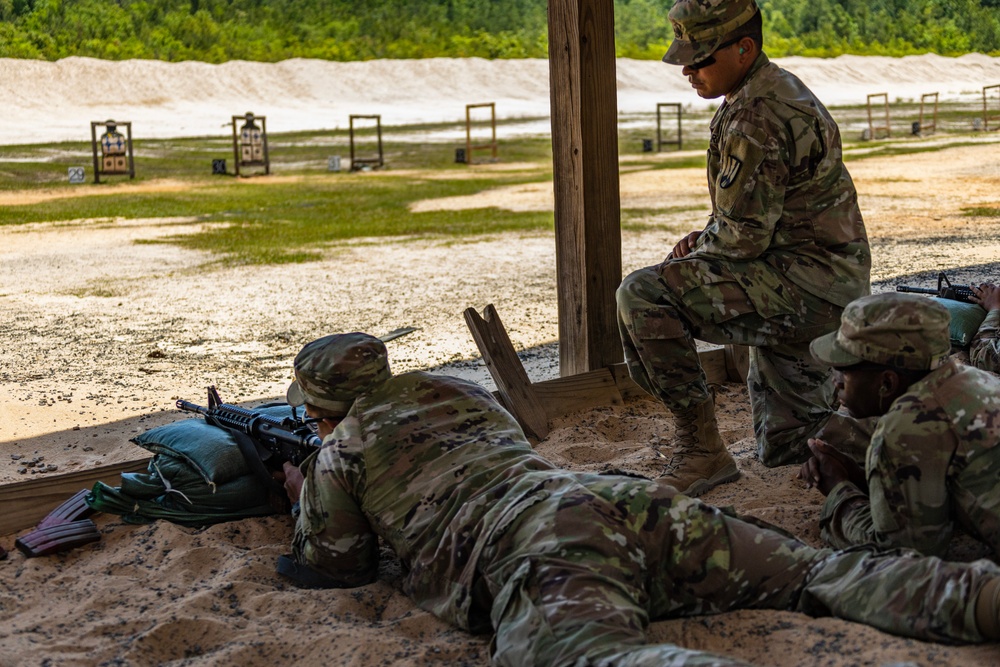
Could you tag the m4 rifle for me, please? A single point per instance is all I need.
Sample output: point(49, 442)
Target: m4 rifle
point(265, 441)
point(945, 290)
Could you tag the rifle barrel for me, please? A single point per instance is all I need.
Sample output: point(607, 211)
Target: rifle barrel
point(916, 290)
point(187, 406)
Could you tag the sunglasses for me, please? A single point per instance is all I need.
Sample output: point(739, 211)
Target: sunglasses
point(711, 59)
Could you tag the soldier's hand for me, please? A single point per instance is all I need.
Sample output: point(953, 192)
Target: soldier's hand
point(685, 245)
point(829, 467)
point(986, 295)
point(293, 481)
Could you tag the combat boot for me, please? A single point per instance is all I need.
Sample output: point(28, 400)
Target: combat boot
point(700, 460)
point(988, 610)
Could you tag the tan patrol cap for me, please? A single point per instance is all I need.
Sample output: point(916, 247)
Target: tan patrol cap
point(701, 26)
point(892, 329)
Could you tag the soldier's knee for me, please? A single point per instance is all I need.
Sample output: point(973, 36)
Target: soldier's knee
point(639, 288)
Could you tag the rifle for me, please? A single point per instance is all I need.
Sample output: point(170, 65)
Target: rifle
point(945, 290)
point(263, 439)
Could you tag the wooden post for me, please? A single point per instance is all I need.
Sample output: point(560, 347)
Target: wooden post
point(583, 93)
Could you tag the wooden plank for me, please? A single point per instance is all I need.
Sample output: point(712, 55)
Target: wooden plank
point(507, 371)
point(737, 362)
point(583, 90)
point(612, 385)
point(26, 503)
point(572, 393)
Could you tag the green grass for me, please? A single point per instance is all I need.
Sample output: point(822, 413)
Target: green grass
point(982, 211)
point(296, 214)
point(288, 217)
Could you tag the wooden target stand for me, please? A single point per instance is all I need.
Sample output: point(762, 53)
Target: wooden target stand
point(250, 143)
point(376, 161)
point(490, 145)
point(988, 115)
point(116, 149)
point(660, 141)
point(873, 129)
point(924, 127)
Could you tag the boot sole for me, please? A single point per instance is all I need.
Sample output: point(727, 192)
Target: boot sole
point(728, 474)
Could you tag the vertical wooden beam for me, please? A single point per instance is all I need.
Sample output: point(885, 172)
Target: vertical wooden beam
point(584, 99)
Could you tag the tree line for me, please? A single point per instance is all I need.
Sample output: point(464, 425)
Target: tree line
point(272, 30)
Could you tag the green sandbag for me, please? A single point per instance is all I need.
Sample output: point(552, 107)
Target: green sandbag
point(104, 498)
point(197, 476)
point(966, 318)
point(209, 450)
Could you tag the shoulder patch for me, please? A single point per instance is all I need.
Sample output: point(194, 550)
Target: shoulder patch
point(729, 169)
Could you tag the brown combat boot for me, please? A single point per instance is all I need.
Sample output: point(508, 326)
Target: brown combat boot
point(700, 459)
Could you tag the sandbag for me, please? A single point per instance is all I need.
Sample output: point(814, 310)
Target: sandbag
point(197, 476)
point(966, 318)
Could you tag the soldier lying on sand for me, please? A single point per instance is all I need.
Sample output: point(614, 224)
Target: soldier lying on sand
point(564, 567)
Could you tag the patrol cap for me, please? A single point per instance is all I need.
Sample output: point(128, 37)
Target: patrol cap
point(892, 329)
point(334, 370)
point(701, 26)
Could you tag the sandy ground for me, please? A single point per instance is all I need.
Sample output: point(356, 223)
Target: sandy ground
point(101, 336)
point(198, 99)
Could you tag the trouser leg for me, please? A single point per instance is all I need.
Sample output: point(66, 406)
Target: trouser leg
point(562, 614)
point(754, 567)
point(791, 396)
point(663, 309)
point(659, 347)
point(900, 592)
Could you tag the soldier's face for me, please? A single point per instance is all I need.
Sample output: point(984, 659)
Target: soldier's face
point(719, 78)
point(858, 390)
point(324, 427)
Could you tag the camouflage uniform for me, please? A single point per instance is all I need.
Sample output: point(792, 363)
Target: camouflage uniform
point(569, 568)
point(984, 352)
point(934, 456)
point(784, 251)
point(934, 461)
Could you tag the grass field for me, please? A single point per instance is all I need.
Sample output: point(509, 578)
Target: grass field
point(290, 215)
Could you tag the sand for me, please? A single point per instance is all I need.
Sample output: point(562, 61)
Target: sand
point(56, 101)
point(101, 336)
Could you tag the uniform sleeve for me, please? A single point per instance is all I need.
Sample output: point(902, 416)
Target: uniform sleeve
point(332, 534)
point(749, 188)
point(846, 517)
point(908, 502)
point(984, 353)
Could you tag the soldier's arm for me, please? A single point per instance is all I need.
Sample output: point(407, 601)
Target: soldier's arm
point(908, 503)
point(984, 352)
point(332, 534)
point(749, 189)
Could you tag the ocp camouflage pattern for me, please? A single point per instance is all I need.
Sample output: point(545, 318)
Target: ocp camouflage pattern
point(784, 251)
point(933, 465)
point(984, 351)
point(569, 568)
